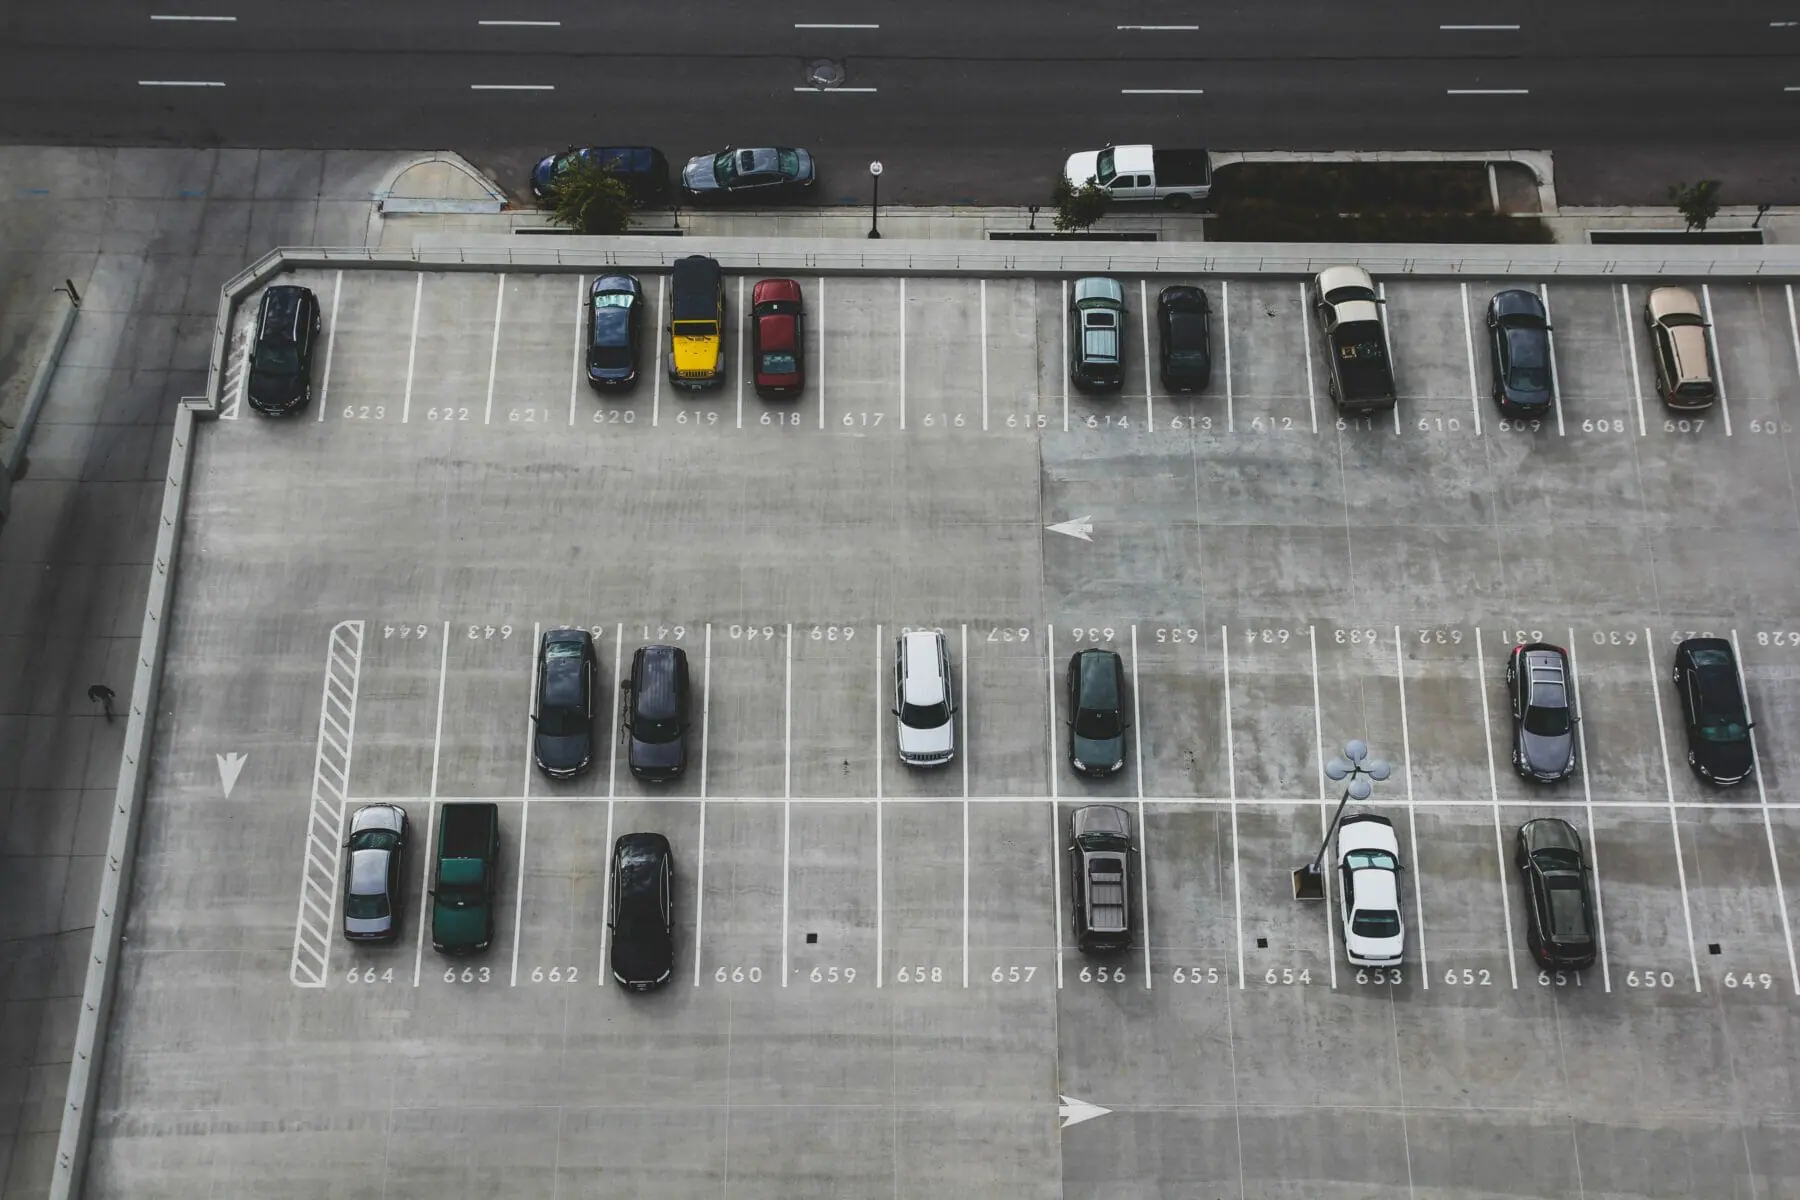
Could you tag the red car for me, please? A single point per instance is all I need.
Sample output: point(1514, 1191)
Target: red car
point(778, 338)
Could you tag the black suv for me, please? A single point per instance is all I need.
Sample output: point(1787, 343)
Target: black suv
point(1712, 704)
point(654, 710)
point(1096, 712)
point(1543, 711)
point(1100, 870)
point(281, 357)
point(1559, 909)
point(1184, 323)
point(563, 740)
point(643, 910)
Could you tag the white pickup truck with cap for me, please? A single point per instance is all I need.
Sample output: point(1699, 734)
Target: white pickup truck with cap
point(1134, 173)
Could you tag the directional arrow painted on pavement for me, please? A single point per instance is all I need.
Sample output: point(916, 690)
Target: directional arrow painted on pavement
point(1080, 527)
point(230, 767)
point(1074, 1112)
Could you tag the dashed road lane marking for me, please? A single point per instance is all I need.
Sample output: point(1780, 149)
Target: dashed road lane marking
point(310, 965)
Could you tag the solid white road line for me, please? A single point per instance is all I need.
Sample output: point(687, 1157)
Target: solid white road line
point(1144, 329)
point(1487, 91)
point(612, 705)
point(740, 349)
point(1225, 316)
point(1412, 817)
point(984, 365)
point(1237, 873)
point(1662, 739)
point(524, 790)
point(1055, 831)
point(183, 17)
point(1587, 795)
point(1161, 92)
point(1476, 28)
point(1312, 395)
point(1637, 386)
point(1487, 741)
point(1712, 343)
point(1474, 388)
point(1137, 746)
point(662, 287)
point(829, 25)
point(1064, 324)
point(337, 291)
point(963, 694)
point(195, 83)
point(705, 747)
point(1312, 644)
point(787, 792)
point(1387, 340)
point(881, 715)
point(437, 737)
point(1762, 795)
point(494, 349)
point(412, 347)
point(1160, 28)
point(601, 972)
point(903, 353)
point(834, 89)
point(525, 24)
point(512, 87)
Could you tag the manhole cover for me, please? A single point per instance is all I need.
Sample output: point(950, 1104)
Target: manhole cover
point(824, 73)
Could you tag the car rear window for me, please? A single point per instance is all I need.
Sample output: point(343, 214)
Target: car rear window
point(361, 907)
point(1376, 923)
point(779, 363)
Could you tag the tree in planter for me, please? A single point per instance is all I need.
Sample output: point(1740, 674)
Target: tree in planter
point(589, 198)
point(1698, 203)
point(1079, 207)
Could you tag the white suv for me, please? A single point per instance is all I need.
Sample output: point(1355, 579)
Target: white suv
point(1368, 857)
point(923, 701)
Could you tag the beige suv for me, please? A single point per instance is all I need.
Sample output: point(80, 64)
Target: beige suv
point(1684, 373)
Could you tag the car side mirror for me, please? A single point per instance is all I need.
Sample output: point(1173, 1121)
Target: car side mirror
point(895, 711)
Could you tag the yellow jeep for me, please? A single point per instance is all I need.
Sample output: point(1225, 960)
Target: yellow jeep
point(697, 324)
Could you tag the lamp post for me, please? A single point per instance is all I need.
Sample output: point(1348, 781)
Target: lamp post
point(1358, 768)
point(874, 197)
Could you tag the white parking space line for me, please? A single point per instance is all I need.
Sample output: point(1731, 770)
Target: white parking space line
point(612, 741)
point(881, 715)
point(1144, 329)
point(1587, 796)
point(1312, 643)
point(740, 351)
point(600, 972)
point(1662, 738)
point(1312, 395)
point(705, 746)
point(787, 795)
point(1487, 741)
point(1137, 746)
point(1225, 315)
point(1637, 385)
point(662, 286)
point(1055, 829)
point(1712, 343)
point(1387, 340)
point(580, 339)
point(1793, 329)
point(494, 349)
point(337, 291)
point(819, 368)
point(431, 810)
point(412, 349)
point(524, 794)
point(1555, 375)
point(1063, 321)
point(984, 358)
point(1474, 388)
point(437, 737)
point(1762, 796)
point(963, 698)
point(1412, 820)
point(1237, 872)
point(903, 353)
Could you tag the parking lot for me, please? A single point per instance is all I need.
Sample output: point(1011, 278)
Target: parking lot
point(876, 989)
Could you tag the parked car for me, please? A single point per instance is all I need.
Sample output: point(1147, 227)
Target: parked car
point(924, 705)
point(1519, 352)
point(465, 877)
point(281, 350)
point(1100, 871)
point(642, 169)
point(615, 331)
point(1559, 908)
point(1097, 725)
point(778, 338)
point(643, 910)
point(1097, 334)
point(1143, 172)
point(767, 173)
point(1368, 856)
point(1184, 323)
point(374, 873)
point(697, 323)
point(1678, 345)
point(1347, 306)
point(1711, 693)
point(1543, 711)
point(567, 668)
point(654, 709)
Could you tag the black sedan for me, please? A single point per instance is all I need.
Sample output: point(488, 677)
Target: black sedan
point(1559, 904)
point(1184, 322)
point(1096, 712)
point(1543, 711)
point(563, 737)
point(770, 173)
point(1519, 352)
point(643, 911)
point(1711, 694)
point(615, 331)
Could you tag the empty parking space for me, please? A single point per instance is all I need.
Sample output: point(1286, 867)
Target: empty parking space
point(1181, 726)
point(831, 896)
point(1434, 349)
point(923, 852)
point(1275, 365)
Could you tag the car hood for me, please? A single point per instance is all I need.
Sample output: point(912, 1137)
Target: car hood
point(540, 174)
point(564, 753)
point(928, 741)
point(698, 175)
point(1546, 755)
point(1081, 167)
point(1097, 753)
point(657, 756)
point(1727, 760)
point(272, 387)
point(643, 959)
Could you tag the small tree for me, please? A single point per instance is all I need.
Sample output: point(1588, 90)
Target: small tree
point(1698, 203)
point(588, 198)
point(1079, 207)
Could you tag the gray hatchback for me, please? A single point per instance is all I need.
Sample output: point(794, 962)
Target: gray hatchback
point(373, 873)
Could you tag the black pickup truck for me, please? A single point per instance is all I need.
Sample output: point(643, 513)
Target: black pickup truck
point(463, 878)
point(1361, 378)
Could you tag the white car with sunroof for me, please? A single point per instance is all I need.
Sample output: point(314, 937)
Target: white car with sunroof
point(1368, 858)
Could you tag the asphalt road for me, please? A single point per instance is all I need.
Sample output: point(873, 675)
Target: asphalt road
point(969, 104)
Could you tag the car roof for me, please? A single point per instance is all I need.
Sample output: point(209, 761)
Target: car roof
point(658, 669)
point(924, 683)
point(1099, 287)
point(1098, 669)
point(775, 289)
point(1517, 302)
point(1673, 301)
point(1333, 278)
point(368, 872)
point(1376, 888)
point(1358, 312)
point(775, 331)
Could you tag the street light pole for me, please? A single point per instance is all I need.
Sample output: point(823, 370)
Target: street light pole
point(874, 198)
point(1358, 769)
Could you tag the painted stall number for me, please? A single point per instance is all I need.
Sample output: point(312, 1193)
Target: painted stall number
point(366, 412)
point(833, 975)
point(1649, 979)
point(1615, 637)
point(487, 633)
point(919, 975)
point(781, 417)
point(1190, 423)
point(1356, 423)
point(611, 416)
point(1357, 637)
point(853, 420)
point(1514, 637)
point(1195, 975)
point(952, 420)
point(1680, 635)
point(1092, 633)
point(1271, 424)
point(1558, 978)
point(1747, 980)
point(403, 632)
point(662, 633)
point(1603, 425)
point(1269, 637)
point(1011, 974)
point(684, 417)
point(1019, 633)
point(1440, 637)
point(1029, 421)
point(1380, 975)
point(372, 975)
point(1468, 978)
point(1770, 427)
point(555, 975)
point(446, 414)
point(1109, 421)
point(1766, 637)
point(1289, 975)
point(1515, 425)
point(1178, 637)
point(1103, 974)
point(752, 633)
point(1439, 425)
point(531, 416)
point(1684, 425)
point(738, 975)
point(468, 975)
point(832, 633)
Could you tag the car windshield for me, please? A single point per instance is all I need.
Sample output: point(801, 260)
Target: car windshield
point(656, 732)
point(1097, 724)
point(725, 168)
point(925, 716)
point(790, 163)
point(1379, 860)
point(1568, 914)
point(278, 358)
point(1376, 923)
point(779, 362)
point(1103, 168)
point(1547, 722)
point(360, 907)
